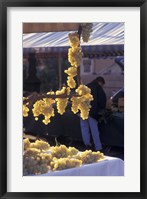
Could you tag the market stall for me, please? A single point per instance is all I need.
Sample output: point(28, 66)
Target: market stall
point(75, 98)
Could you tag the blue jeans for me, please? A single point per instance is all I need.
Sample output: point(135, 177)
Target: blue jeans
point(90, 126)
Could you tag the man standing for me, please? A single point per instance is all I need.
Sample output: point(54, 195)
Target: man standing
point(89, 127)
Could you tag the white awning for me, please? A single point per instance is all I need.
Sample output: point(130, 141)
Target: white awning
point(104, 36)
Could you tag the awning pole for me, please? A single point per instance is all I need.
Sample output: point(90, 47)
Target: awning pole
point(60, 69)
point(78, 69)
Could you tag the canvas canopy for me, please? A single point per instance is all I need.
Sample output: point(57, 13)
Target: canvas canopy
point(105, 37)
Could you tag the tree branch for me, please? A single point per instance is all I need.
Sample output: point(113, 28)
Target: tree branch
point(36, 97)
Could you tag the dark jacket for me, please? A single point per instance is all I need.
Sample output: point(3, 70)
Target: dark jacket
point(99, 102)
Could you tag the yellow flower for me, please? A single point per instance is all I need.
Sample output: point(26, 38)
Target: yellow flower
point(74, 39)
point(25, 110)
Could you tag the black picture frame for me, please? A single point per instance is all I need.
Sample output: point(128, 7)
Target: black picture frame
point(4, 4)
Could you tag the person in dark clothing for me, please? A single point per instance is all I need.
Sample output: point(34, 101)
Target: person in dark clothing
point(99, 102)
point(89, 127)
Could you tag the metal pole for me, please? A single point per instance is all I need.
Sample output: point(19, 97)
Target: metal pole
point(60, 69)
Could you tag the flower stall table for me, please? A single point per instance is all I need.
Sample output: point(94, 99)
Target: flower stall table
point(110, 166)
